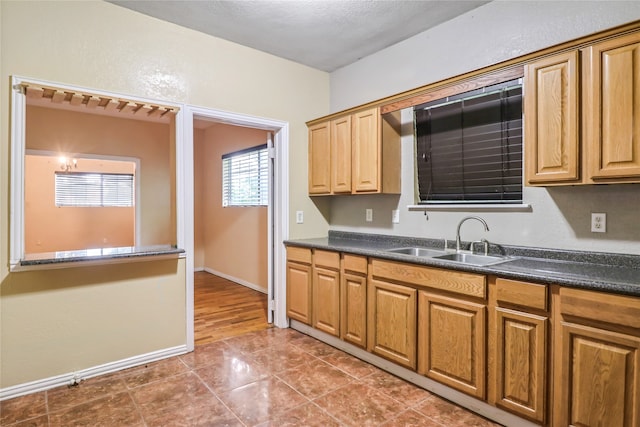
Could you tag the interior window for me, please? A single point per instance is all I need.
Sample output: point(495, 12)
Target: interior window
point(94, 189)
point(469, 147)
point(245, 179)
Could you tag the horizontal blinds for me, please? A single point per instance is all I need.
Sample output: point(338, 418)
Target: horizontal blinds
point(245, 177)
point(94, 189)
point(470, 150)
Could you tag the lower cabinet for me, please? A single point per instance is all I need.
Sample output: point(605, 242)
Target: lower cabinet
point(326, 292)
point(518, 349)
point(353, 288)
point(299, 284)
point(451, 342)
point(597, 360)
point(392, 322)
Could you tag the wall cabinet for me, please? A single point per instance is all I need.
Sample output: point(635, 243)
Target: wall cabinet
point(518, 349)
point(353, 320)
point(299, 283)
point(582, 125)
point(326, 292)
point(355, 153)
point(597, 359)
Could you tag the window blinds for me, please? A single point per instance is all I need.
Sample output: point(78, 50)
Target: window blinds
point(94, 189)
point(245, 177)
point(469, 149)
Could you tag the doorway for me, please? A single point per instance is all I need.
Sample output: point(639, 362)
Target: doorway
point(276, 135)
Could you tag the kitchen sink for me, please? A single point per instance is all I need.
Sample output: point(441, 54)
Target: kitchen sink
point(473, 259)
point(420, 252)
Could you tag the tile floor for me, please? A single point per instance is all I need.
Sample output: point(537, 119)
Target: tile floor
point(275, 377)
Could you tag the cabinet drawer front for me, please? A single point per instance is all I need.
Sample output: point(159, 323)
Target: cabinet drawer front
point(616, 309)
point(447, 280)
point(522, 293)
point(299, 254)
point(326, 259)
point(355, 263)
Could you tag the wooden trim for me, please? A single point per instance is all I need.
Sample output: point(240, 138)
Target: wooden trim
point(514, 62)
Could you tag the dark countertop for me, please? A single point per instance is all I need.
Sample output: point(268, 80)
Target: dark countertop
point(600, 271)
point(97, 255)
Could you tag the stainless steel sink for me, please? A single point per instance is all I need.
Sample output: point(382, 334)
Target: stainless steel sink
point(420, 252)
point(473, 259)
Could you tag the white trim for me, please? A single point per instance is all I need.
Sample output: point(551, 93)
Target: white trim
point(197, 269)
point(521, 207)
point(241, 282)
point(280, 208)
point(84, 374)
point(442, 390)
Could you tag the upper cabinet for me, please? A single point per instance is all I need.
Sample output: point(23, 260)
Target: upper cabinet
point(581, 109)
point(551, 125)
point(355, 153)
point(612, 107)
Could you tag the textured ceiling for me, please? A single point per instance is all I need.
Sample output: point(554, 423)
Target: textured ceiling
point(323, 34)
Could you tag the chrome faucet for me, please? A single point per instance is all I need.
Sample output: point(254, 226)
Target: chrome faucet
point(477, 218)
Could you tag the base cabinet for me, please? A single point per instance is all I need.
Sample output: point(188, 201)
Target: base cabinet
point(299, 283)
point(392, 322)
point(451, 342)
point(353, 290)
point(326, 292)
point(597, 361)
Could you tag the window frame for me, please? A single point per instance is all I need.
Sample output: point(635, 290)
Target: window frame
point(64, 191)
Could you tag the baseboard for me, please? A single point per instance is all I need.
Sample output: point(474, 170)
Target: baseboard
point(71, 377)
point(236, 280)
point(195, 270)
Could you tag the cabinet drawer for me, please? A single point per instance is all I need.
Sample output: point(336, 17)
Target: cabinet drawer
point(326, 259)
point(355, 263)
point(522, 293)
point(299, 254)
point(615, 309)
point(474, 285)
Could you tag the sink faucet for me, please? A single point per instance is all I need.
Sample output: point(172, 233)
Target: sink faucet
point(477, 218)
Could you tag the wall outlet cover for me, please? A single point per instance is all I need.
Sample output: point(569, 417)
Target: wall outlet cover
point(368, 216)
point(598, 222)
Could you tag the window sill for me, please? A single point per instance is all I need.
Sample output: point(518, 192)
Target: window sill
point(100, 256)
point(523, 207)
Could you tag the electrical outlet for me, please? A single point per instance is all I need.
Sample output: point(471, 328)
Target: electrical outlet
point(368, 215)
point(395, 216)
point(299, 217)
point(598, 222)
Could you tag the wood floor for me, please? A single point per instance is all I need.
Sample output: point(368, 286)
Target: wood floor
point(225, 309)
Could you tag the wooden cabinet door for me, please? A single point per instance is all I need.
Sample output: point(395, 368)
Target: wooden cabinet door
point(599, 378)
point(613, 104)
point(341, 155)
point(326, 300)
point(366, 162)
point(521, 363)
point(392, 322)
point(354, 309)
point(551, 119)
point(319, 159)
point(299, 292)
point(451, 342)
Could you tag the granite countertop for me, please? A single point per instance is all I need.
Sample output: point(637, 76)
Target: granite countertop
point(98, 255)
point(608, 272)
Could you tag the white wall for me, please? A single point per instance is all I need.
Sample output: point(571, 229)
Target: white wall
point(560, 217)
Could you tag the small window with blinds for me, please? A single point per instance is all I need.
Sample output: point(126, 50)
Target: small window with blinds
point(469, 147)
point(245, 177)
point(90, 189)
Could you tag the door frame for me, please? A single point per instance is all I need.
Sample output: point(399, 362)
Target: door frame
point(279, 221)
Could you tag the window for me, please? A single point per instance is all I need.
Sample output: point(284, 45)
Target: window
point(94, 189)
point(469, 147)
point(245, 177)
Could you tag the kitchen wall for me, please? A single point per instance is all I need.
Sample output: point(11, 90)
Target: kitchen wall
point(50, 228)
point(55, 322)
point(497, 31)
point(234, 239)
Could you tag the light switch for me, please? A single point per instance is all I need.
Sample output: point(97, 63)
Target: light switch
point(368, 215)
point(299, 217)
point(395, 216)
